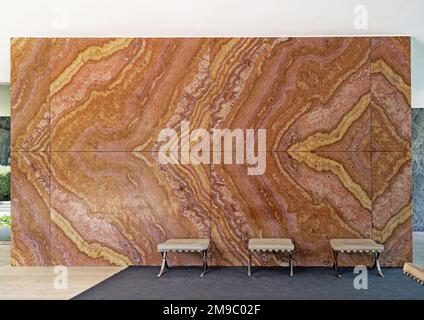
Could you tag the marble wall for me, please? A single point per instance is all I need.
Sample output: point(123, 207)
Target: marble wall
point(87, 186)
point(418, 167)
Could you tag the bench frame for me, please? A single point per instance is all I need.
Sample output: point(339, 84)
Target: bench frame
point(375, 255)
point(249, 263)
point(165, 264)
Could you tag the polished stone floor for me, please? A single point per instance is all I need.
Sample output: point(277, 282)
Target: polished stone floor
point(43, 283)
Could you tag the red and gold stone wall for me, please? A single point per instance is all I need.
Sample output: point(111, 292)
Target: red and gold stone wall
point(87, 186)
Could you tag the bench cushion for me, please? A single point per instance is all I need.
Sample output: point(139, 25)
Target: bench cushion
point(355, 245)
point(270, 244)
point(184, 245)
point(414, 271)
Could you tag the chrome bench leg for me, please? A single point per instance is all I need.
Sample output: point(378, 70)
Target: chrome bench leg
point(376, 256)
point(336, 265)
point(374, 261)
point(291, 263)
point(164, 263)
point(205, 262)
point(249, 264)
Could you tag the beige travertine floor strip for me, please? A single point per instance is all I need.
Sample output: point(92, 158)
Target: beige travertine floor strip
point(26, 283)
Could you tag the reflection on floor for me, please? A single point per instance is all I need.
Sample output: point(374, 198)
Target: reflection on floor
point(38, 282)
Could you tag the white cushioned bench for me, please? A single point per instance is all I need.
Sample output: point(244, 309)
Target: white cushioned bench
point(270, 245)
point(414, 271)
point(357, 246)
point(184, 245)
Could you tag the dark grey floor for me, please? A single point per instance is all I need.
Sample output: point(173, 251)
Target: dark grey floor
point(265, 283)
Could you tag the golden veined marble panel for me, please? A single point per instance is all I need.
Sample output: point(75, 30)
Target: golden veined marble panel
point(117, 94)
point(113, 208)
point(29, 99)
point(308, 197)
point(392, 206)
point(391, 93)
point(30, 189)
point(308, 93)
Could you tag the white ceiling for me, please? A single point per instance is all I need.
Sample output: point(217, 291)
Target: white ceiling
point(51, 18)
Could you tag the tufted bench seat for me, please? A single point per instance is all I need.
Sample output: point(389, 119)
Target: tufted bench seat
point(357, 246)
point(414, 271)
point(184, 245)
point(270, 245)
